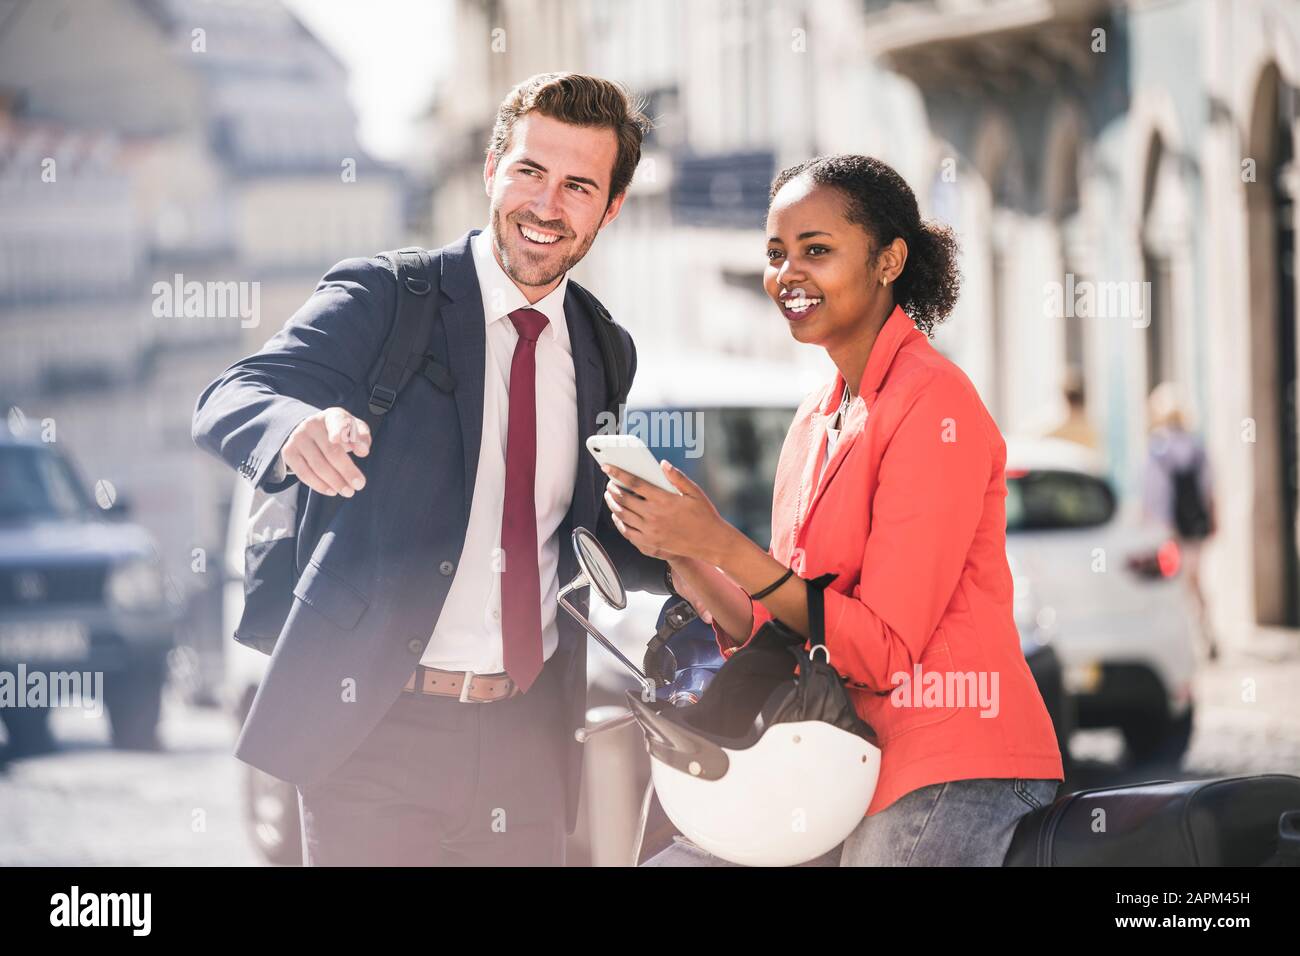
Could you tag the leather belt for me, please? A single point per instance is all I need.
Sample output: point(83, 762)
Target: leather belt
point(463, 685)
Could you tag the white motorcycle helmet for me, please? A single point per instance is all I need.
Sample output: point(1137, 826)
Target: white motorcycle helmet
point(770, 767)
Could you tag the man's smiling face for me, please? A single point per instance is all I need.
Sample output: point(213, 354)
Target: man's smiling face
point(549, 197)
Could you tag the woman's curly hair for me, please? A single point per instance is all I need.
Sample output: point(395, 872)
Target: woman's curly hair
point(879, 200)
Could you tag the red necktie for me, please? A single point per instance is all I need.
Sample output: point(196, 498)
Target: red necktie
point(521, 597)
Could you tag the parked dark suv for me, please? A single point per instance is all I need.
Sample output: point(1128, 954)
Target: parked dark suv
point(81, 591)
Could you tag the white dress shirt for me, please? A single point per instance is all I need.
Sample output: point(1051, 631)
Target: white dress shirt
point(467, 635)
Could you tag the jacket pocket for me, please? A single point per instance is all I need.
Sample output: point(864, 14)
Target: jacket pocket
point(330, 596)
point(908, 706)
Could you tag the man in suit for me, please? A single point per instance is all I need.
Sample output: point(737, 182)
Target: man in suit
point(424, 692)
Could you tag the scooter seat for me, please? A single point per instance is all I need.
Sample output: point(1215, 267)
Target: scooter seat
point(1231, 821)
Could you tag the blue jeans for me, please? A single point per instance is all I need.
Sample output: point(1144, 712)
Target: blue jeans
point(958, 823)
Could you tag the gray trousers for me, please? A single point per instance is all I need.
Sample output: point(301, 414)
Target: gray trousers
point(958, 823)
point(444, 783)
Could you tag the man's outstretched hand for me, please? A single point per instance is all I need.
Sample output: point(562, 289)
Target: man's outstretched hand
point(318, 452)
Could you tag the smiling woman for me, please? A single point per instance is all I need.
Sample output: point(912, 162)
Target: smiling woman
point(892, 482)
point(918, 258)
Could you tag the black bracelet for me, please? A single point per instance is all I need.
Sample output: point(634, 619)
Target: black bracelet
point(668, 579)
point(773, 586)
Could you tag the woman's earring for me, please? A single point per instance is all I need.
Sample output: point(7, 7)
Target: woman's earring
point(884, 281)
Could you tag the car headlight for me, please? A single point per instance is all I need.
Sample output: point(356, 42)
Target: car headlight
point(135, 585)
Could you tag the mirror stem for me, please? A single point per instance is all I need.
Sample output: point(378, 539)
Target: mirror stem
point(578, 616)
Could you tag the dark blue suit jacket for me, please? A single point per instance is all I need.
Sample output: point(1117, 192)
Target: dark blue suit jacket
point(377, 566)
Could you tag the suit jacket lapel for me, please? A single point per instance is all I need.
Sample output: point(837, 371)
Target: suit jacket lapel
point(589, 377)
point(461, 314)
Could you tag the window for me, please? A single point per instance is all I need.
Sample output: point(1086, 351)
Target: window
point(35, 483)
point(1056, 500)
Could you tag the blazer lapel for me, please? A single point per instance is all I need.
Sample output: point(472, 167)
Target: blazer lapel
point(894, 333)
point(850, 429)
point(589, 377)
point(461, 314)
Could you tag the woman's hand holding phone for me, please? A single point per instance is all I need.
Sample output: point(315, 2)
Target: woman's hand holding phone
point(663, 524)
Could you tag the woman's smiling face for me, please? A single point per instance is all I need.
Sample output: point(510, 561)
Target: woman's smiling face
point(819, 264)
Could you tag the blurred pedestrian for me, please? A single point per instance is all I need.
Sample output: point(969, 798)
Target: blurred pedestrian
point(1178, 492)
point(1075, 427)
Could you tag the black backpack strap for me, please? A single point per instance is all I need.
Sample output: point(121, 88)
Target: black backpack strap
point(403, 355)
point(612, 352)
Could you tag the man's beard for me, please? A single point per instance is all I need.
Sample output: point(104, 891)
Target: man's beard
point(524, 272)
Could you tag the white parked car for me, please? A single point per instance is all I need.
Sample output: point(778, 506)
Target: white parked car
point(1104, 589)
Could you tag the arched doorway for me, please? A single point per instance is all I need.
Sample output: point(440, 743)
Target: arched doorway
point(1163, 220)
point(1062, 200)
point(1270, 210)
point(1000, 166)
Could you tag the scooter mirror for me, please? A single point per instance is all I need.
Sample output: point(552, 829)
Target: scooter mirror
point(599, 569)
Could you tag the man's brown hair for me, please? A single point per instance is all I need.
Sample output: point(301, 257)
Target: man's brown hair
point(583, 101)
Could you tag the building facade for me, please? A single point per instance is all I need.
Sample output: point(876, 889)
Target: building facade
point(1120, 176)
point(147, 148)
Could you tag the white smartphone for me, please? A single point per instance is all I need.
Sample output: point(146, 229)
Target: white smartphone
point(629, 453)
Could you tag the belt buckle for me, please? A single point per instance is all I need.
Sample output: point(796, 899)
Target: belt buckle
point(464, 690)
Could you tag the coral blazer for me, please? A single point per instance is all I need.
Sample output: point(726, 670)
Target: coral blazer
point(910, 515)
